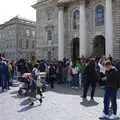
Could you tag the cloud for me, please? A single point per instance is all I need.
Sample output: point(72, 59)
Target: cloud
point(11, 8)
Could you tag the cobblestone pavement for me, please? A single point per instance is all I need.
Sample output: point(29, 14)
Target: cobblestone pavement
point(60, 104)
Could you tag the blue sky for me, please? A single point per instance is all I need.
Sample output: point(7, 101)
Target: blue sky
point(12, 8)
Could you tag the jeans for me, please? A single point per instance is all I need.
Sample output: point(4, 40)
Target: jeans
point(75, 80)
point(5, 81)
point(39, 91)
point(110, 95)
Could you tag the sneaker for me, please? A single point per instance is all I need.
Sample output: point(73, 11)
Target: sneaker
point(104, 116)
point(3, 90)
point(112, 117)
point(73, 87)
point(76, 87)
point(85, 100)
point(92, 100)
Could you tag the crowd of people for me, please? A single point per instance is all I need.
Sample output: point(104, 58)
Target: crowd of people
point(82, 72)
point(7, 68)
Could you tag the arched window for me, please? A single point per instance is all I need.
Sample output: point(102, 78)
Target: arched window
point(76, 17)
point(99, 19)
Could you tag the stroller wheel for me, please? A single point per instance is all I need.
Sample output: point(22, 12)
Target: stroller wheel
point(40, 100)
point(20, 92)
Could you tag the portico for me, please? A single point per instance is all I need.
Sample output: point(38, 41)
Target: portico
point(82, 30)
point(83, 22)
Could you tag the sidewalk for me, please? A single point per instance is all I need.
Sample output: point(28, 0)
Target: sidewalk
point(60, 104)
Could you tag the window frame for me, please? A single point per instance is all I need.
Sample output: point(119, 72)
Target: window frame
point(99, 15)
point(76, 19)
point(49, 36)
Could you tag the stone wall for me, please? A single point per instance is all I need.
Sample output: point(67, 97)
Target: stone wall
point(43, 24)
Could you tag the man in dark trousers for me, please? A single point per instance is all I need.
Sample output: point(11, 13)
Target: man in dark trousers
point(90, 80)
point(112, 83)
point(52, 75)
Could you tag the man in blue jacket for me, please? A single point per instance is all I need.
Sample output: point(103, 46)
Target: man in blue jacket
point(4, 74)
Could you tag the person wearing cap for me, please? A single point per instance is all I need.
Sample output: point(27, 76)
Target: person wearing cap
point(112, 83)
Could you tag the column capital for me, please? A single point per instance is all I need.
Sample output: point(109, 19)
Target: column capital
point(64, 2)
point(85, 2)
point(61, 7)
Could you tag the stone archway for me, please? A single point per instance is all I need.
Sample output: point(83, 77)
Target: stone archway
point(99, 45)
point(75, 48)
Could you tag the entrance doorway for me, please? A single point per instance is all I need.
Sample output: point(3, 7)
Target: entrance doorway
point(99, 45)
point(75, 48)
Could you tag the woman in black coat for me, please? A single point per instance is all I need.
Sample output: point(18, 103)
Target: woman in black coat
point(90, 79)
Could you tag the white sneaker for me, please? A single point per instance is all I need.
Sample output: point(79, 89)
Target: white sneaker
point(76, 87)
point(73, 87)
point(104, 116)
point(112, 117)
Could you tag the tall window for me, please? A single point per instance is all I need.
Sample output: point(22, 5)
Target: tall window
point(33, 34)
point(27, 44)
point(50, 16)
point(33, 44)
point(49, 35)
point(28, 32)
point(76, 17)
point(99, 19)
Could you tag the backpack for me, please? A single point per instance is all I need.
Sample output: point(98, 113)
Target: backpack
point(4, 67)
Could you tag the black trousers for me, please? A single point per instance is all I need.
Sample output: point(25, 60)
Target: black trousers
point(51, 82)
point(87, 84)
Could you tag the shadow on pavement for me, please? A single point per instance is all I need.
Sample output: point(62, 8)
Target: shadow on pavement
point(25, 102)
point(26, 108)
point(18, 97)
point(63, 89)
point(89, 103)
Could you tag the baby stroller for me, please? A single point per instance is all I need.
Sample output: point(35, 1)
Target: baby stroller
point(24, 84)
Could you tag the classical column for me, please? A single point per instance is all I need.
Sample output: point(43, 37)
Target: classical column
point(108, 27)
point(60, 33)
point(83, 31)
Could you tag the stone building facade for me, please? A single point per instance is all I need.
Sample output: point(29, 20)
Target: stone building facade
point(72, 28)
point(18, 38)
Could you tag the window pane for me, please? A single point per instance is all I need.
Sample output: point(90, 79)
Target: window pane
point(99, 15)
point(49, 35)
point(76, 17)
